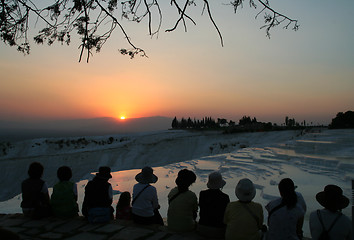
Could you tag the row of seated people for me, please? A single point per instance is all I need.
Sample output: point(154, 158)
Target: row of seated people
point(218, 217)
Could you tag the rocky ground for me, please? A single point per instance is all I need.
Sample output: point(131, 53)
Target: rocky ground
point(79, 229)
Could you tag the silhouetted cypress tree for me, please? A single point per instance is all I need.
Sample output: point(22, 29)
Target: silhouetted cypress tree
point(174, 123)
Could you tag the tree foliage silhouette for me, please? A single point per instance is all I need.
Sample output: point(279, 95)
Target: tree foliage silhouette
point(94, 21)
point(343, 120)
point(205, 123)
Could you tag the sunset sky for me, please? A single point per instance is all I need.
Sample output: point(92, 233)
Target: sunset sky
point(306, 75)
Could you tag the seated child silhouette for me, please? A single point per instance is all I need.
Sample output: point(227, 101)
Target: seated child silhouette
point(35, 197)
point(64, 196)
point(124, 208)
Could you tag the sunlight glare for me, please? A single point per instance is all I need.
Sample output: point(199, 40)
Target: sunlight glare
point(122, 117)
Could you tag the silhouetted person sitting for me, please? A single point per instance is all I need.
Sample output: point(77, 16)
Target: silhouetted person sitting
point(212, 204)
point(35, 197)
point(183, 203)
point(331, 219)
point(285, 219)
point(244, 218)
point(124, 209)
point(145, 203)
point(98, 197)
point(64, 196)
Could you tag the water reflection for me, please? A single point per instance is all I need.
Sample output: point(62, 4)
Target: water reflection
point(315, 141)
point(264, 166)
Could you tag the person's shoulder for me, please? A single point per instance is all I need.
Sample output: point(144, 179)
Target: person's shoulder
point(210, 192)
point(256, 204)
point(90, 184)
point(26, 181)
point(273, 203)
point(300, 197)
point(276, 200)
point(299, 207)
point(298, 194)
point(234, 203)
point(313, 213)
point(151, 188)
point(203, 192)
point(138, 186)
point(191, 193)
point(313, 217)
point(301, 200)
point(107, 183)
point(173, 191)
point(226, 196)
point(346, 220)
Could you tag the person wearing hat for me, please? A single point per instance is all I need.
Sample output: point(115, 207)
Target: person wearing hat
point(99, 197)
point(212, 204)
point(285, 217)
point(145, 203)
point(182, 203)
point(244, 218)
point(339, 226)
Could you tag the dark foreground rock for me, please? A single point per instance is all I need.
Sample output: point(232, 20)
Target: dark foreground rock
point(79, 229)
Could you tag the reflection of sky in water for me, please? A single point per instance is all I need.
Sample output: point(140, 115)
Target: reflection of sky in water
point(260, 165)
point(264, 166)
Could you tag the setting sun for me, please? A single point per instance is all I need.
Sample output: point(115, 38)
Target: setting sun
point(122, 117)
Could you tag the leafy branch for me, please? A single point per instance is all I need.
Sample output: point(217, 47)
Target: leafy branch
point(94, 21)
point(272, 18)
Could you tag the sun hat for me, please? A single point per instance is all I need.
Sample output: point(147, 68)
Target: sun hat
point(215, 181)
point(332, 198)
point(245, 190)
point(146, 176)
point(104, 172)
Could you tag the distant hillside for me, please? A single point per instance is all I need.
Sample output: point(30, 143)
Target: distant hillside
point(80, 127)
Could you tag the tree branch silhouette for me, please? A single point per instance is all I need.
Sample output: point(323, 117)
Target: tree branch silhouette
point(94, 21)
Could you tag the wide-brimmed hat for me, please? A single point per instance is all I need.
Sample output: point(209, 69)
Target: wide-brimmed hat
point(245, 190)
point(332, 198)
point(215, 181)
point(104, 172)
point(146, 176)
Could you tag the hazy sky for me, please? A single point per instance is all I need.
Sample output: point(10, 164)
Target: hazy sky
point(306, 75)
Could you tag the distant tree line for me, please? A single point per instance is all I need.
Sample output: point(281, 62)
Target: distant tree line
point(343, 120)
point(246, 123)
point(205, 123)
